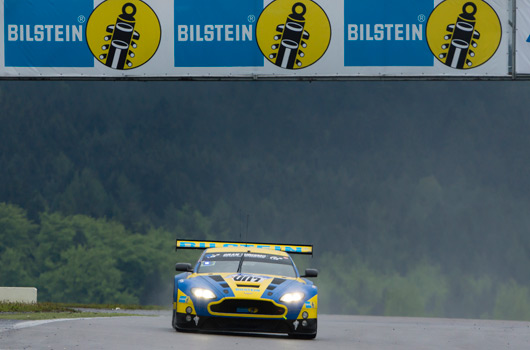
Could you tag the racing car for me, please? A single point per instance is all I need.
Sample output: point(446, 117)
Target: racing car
point(245, 287)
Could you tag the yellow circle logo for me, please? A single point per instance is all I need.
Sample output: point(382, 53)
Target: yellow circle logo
point(123, 34)
point(293, 34)
point(463, 34)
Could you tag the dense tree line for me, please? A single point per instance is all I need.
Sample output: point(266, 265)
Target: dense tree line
point(415, 195)
point(82, 259)
point(85, 260)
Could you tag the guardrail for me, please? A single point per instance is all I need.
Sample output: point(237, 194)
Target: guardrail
point(26, 295)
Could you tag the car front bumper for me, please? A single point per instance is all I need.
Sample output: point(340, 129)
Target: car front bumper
point(243, 324)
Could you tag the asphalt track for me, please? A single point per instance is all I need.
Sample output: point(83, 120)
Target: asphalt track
point(339, 332)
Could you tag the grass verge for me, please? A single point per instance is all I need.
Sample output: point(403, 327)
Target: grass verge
point(43, 311)
point(57, 315)
point(112, 306)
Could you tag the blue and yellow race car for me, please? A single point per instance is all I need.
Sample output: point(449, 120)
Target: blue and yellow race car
point(245, 287)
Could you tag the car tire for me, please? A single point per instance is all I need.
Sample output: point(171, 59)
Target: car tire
point(174, 320)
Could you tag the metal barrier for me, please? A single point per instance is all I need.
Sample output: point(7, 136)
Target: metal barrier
point(26, 295)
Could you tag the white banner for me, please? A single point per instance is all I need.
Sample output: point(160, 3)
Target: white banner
point(157, 39)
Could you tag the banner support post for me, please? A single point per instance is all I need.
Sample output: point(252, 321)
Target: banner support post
point(514, 39)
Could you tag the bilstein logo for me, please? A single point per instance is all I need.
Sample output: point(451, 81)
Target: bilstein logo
point(293, 34)
point(464, 34)
point(123, 34)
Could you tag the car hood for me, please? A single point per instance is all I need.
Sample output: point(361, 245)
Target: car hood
point(248, 286)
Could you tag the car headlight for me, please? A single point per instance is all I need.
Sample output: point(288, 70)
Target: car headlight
point(202, 293)
point(292, 297)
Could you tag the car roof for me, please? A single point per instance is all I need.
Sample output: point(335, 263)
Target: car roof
point(246, 250)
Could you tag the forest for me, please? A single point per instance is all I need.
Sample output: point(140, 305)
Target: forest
point(415, 195)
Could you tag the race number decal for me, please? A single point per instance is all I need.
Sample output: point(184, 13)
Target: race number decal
point(245, 278)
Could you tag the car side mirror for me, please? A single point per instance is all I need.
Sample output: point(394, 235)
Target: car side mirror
point(185, 267)
point(311, 273)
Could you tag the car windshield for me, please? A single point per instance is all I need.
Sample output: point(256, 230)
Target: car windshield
point(257, 263)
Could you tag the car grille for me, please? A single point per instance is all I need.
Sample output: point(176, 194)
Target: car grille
point(246, 307)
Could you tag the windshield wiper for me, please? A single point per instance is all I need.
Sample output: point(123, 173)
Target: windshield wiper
point(241, 263)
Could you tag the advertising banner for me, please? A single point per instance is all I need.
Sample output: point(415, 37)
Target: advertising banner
point(249, 39)
point(451, 38)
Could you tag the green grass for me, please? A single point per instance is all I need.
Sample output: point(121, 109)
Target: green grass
point(38, 307)
point(70, 307)
point(42, 311)
point(57, 315)
point(112, 306)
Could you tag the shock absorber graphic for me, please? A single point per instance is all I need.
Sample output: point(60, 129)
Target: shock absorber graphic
point(290, 39)
point(121, 39)
point(462, 36)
